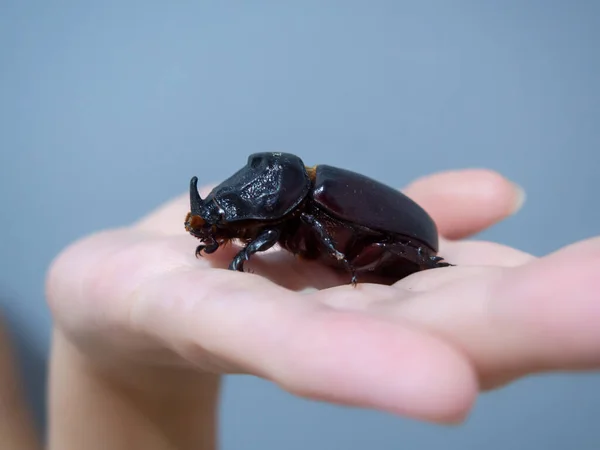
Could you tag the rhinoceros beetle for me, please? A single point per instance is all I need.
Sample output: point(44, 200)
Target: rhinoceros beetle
point(336, 216)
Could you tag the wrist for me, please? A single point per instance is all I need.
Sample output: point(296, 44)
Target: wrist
point(116, 404)
point(16, 422)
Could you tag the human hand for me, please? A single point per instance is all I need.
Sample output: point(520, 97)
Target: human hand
point(422, 348)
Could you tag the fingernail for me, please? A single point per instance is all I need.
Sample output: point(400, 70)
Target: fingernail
point(520, 198)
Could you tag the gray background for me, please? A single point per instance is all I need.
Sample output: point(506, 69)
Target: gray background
point(107, 110)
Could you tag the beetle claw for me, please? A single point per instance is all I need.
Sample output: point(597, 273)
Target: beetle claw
point(207, 249)
point(211, 248)
point(444, 264)
point(439, 262)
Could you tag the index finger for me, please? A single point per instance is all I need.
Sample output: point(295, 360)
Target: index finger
point(466, 202)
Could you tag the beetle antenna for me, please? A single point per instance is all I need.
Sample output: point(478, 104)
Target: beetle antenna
point(195, 199)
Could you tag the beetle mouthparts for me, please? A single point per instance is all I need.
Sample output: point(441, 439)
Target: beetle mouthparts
point(193, 223)
point(195, 199)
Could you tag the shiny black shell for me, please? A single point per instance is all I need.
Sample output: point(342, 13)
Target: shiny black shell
point(356, 198)
point(268, 187)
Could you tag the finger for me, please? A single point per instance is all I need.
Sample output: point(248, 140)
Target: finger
point(256, 327)
point(85, 283)
point(554, 303)
point(541, 316)
point(152, 302)
point(483, 253)
point(466, 202)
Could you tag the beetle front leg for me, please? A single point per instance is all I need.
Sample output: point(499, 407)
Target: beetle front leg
point(207, 248)
point(263, 242)
point(327, 241)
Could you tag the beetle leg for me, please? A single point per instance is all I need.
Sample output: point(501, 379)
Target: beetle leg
point(263, 242)
point(433, 262)
point(327, 241)
point(208, 249)
point(211, 248)
point(438, 261)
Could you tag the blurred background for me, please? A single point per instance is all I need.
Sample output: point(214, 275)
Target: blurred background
point(108, 108)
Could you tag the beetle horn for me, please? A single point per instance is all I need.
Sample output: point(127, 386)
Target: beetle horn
point(195, 199)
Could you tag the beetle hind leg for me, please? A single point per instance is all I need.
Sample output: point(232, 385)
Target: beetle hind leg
point(434, 262)
point(438, 261)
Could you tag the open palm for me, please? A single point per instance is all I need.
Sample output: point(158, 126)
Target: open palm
point(424, 347)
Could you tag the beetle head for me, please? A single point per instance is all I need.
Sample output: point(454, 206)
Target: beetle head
point(202, 220)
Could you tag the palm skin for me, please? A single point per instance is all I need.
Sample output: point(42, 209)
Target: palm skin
point(424, 347)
